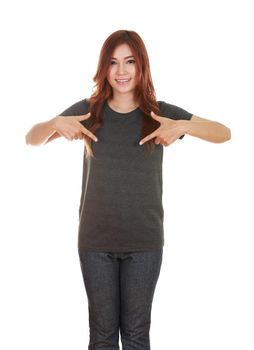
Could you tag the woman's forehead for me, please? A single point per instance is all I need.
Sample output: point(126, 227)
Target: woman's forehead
point(122, 51)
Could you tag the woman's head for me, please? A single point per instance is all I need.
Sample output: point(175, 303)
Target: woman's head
point(118, 44)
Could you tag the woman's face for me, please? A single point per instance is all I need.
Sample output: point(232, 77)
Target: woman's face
point(122, 71)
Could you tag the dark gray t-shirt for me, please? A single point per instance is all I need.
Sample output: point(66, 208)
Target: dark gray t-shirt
point(121, 201)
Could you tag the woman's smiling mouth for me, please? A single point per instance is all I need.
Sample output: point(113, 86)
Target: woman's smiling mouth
point(122, 81)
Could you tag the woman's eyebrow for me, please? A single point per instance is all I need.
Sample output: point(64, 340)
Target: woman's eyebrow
point(124, 57)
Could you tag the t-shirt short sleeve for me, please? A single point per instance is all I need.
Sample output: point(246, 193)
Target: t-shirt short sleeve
point(79, 108)
point(174, 112)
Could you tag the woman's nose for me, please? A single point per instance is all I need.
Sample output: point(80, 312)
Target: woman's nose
point(121, 68)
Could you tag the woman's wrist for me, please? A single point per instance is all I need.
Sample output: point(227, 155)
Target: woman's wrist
point(183, 126)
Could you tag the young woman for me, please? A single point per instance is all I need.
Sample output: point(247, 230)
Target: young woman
point(121, 237)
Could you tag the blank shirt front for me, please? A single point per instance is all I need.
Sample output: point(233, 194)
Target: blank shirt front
point(121, 201)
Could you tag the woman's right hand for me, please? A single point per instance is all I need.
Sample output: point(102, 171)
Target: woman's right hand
point(71, 128)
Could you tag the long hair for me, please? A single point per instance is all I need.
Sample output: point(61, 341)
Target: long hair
point(144, 92)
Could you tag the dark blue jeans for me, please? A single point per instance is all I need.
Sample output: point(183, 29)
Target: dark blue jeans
point(120, 288)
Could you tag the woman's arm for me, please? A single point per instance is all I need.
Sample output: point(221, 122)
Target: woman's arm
point(170, 130)
point(205, 129)
point(70, 127)
point(41, 132)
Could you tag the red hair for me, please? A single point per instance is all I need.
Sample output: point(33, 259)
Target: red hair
point(144, 92)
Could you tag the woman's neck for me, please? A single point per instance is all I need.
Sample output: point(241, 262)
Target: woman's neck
point(122, 104)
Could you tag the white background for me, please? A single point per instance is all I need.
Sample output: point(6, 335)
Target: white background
point(201, 56)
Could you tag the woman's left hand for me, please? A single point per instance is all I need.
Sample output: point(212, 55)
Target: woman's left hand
point(168, 132)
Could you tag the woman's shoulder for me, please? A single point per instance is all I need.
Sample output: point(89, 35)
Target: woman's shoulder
point(173, 111)
point(78, 108)
point(166, 105)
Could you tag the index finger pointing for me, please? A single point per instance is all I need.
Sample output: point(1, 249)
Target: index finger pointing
point(147, 138)
point(88, 133)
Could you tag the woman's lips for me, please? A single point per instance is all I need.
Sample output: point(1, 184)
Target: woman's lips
point(122, 81)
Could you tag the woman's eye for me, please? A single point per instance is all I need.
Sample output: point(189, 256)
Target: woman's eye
point(130, 61)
